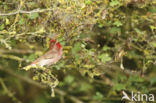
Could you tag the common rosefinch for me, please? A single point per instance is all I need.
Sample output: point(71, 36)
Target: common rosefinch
point(52, 56)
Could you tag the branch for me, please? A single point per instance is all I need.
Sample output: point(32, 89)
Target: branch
point(26, 12)
point(22, 51)
point(62, 93)
point(30, 81)
point(9, 93)
point(26, 79)
point(13, 57)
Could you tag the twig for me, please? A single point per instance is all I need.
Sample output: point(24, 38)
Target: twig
point(30, 81)
point(10, 94)
point(16, 51)
point(62, 93)
point(26, 12)
point(13, 57)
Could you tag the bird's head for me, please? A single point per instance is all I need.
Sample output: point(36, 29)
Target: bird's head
point(53, 44)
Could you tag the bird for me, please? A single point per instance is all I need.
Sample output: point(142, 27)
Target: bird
point(52, 56)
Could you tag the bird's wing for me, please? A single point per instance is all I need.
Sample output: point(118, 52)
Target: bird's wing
point(49, 55)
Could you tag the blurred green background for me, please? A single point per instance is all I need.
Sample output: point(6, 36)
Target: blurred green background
point(109, 46)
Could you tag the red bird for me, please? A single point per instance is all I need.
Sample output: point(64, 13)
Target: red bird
point(51, 57)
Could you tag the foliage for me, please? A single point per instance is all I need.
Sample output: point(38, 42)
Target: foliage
point(108, 46)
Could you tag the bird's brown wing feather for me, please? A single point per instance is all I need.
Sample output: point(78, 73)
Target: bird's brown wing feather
point(47, 55)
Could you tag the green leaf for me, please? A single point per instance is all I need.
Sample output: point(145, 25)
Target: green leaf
point(115, 30)
point(117, 23)
point(2, 27)
point(7, 22)
point(105, 48)
point(132, 54)
point(153, 44)
point(59, 65)
point(152, 9)
point(100, 25)
point(99, 96)
point(76, 48)
point(153, 80)
point(21, 21)
point(114, 3)
point(136, 79)
point(119, 87)
point(105, 57)
point(69, 79)
point(85, 87)
point(32, 57)
point(88, 2)
point(33, 15)
point(152, 27)
point(139, 31)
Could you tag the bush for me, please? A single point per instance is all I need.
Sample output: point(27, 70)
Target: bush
point(108, 47)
